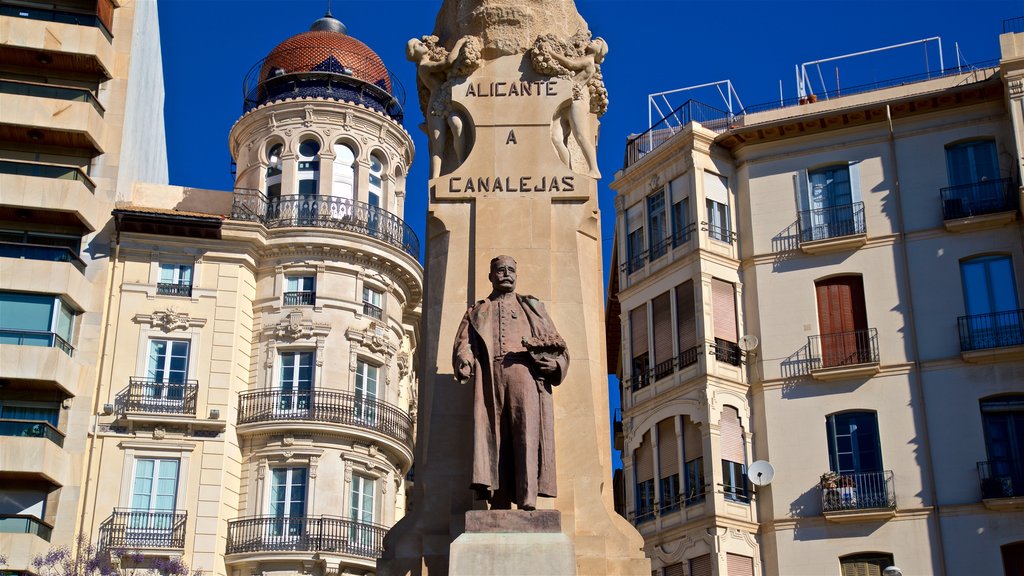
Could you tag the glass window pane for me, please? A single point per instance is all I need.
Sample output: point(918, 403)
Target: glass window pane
point(26, 311)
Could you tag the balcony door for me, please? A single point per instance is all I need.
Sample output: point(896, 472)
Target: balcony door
point(154, 495)
point(361, 511)
point(1003, 421)
point(166, 372)
point(366, 392)
point(855, 454)
point(843, 322)
point(972, 162)
point(296, 384)
point(990, 300)
point(288, 502)
point(830, 203)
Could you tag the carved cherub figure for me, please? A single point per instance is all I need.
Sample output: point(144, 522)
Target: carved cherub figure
point(436, 69)
point(582, 67)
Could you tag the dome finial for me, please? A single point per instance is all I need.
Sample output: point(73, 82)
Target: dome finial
point(329, 23)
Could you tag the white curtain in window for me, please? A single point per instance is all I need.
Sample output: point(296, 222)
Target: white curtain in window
point(716, 188)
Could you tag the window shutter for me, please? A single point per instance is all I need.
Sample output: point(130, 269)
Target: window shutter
point(700, 566)
point(716, 188)
point(643, 461)
point(638, 329)
point(800, 189)
point(854, 169)
point(662, 312)
point(841, 306)
point(739, 565)
point(723, 302)
point(668, 452)
point(674, 569)
point(685, 316)
point(635, 217)
point(692, 443)
point(731, 435)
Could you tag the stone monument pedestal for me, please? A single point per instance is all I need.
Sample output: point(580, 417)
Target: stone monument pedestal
point(513, 543)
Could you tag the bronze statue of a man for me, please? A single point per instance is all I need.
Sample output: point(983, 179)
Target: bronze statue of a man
point(509, 348)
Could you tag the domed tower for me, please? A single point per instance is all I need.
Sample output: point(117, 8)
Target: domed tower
point(325, 422)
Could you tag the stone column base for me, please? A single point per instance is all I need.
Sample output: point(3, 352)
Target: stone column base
point(513, 543)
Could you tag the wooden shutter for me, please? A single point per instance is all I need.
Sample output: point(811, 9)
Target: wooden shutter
point(668, 451)
point(737, 565)
point(643, 459)
point(692, 443)
point(662, 312)
point(731, 435)
point(674, 569)
point(841, 310)
point(638, 330)
point(723, 303)
point(105, 12)
point(701, 565)
point(686, 324)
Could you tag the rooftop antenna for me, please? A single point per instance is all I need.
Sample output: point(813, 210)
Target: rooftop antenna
point(329, 9)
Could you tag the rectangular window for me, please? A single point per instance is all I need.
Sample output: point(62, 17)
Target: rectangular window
point(716, 197)
point(694, 489)
point(990, 299)
point(372, 303)
point(830, 210)
point(686, 325)
point(723, 304)
point(36, 320)
point(361, 511)
point(635, 249)
point(657, 225)
point(681, 225)
point(661, 311)
point(842, 318)
point(734, 481)
point(853, 445)
point(972, 162)
point(175, 280)
point(164, 387)
point(1002, 475)
point(288, 501)
point(366, 392)
point(700, 565)
point(733, 447)
point(154, 496)
point(296, 383)
point(48, 412)
point(299, 291)
point(643, 470)
point(640, 366)
point(668, 464)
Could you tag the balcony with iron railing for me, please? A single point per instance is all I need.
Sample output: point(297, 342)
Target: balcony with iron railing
point(323, 534)
point(275, 407)
point(832, 228)
point(146, 395)
point(45, 253)
point(844, 354)
point(25, 524)
point(373, 311)
point(1002, 483)
point(991, 335)
point(300, 298)
point(31, 429)
point(330, 212)
point(139, 530)
point(980, 204)
point(858, 496)
point(35, 338)
point(174, 289)
point(720, 233)
point(642, 376)
point(683, 234)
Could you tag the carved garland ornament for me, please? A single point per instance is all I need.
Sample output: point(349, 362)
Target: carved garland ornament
point(170, 320)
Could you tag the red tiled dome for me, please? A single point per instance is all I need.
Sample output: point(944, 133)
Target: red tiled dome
point(314, 50)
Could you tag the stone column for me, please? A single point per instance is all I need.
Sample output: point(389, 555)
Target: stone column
point(524, 83)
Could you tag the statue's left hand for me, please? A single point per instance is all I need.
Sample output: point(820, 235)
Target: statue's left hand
point(547, 365)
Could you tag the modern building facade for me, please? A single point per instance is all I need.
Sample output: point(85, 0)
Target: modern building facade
point(250, 393)
point(81, 118)
point(832, 287)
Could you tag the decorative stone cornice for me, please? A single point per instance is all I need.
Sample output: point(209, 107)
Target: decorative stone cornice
point(169, 320)
point(373, 338)
point(295, 326)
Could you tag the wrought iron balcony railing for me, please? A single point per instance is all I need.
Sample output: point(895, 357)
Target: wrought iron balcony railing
point(24, 524)
point(302, 298)
point(174, 289)
point(832, 222)
point(719, 233)
point(643, 376)
point(1001, 478)
point(152, 395)
point(978, 198)
point(325, 406)
point(31, 429)
point(858, 491)
point(133, 529)
point(372, 311)
point(683, 234)
point(46, 171)
point(305, 534)
point(843, 348)
point(35, 338)
point(325, 212)
point(659, 248)
point(995, 330)
point(728, 352)
point(41, 252)
point(634, 262)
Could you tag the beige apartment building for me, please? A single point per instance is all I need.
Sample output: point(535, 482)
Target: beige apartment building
point(831, 287)
point(241, 394)
point(81, 118)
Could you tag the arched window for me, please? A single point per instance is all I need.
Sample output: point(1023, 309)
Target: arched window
point(309, 167)
point(734, 459)
point(865, 564)
point(344, 172)
point(376, 180)
point(274, 152)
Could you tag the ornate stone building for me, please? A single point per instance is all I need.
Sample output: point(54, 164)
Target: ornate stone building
point(832, 286)
point(254, 349)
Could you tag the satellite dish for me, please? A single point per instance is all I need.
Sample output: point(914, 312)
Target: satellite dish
point(760, 473)
point(748, 342)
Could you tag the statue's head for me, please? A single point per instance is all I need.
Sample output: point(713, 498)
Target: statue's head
point(503, 274)
point(599, 48)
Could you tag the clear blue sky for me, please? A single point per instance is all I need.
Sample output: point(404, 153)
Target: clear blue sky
point(209, 46)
